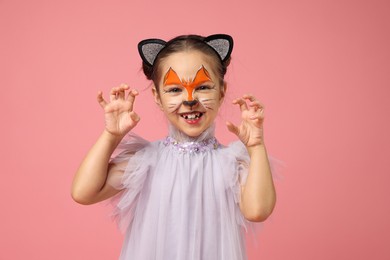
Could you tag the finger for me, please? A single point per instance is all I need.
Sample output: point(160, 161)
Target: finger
point(250, 97)
point(258, 112)
point(113, 94)
point(101, 100)
point(121, 91)
point(134, 116)
point(258, 116)
point(256, 104)
point(131, 97)
point(232, 128)
point(241, 102)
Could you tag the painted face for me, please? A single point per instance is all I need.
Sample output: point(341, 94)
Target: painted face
point(189, 93)
point(202, 76)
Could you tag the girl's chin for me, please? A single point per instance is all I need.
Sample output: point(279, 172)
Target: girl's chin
point(191, 130)
point(192, 127)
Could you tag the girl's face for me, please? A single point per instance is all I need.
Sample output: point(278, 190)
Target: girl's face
point(189, 92)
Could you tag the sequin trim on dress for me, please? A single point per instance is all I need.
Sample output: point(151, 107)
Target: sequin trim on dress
point(192, 147)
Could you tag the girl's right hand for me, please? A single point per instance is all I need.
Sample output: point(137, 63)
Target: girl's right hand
point(120, 117)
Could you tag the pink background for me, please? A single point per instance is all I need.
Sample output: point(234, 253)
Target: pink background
point(320, 67)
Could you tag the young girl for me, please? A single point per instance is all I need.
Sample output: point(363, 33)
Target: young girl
point(187, 196)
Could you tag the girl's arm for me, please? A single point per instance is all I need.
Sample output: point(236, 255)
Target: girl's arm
point(258, 195)
point(91, 182)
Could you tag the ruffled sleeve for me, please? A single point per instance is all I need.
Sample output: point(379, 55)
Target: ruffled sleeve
point(238, 176)
point(128, 158)
point(240, 153)
point(236, 164)
point(241, 156)
point(129, 145)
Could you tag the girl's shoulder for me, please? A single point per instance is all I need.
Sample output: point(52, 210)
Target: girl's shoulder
point(129, 145)
point(236, 149)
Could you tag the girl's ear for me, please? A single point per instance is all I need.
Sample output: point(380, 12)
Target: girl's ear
point(224, 88)
point(223, 91)
point(156, 96)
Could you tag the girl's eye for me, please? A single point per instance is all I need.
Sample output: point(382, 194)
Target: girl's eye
point(173, 90)
point(203, 87)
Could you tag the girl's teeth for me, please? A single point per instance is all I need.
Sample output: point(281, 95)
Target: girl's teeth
point(192, 116)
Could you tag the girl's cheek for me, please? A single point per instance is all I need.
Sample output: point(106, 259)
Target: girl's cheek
point(209, 100)
point(172, 103)
point(208, 104)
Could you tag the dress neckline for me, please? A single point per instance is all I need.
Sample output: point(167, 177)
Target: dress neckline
point(186, 144)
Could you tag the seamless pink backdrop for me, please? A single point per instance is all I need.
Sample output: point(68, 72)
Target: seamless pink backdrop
point(320, 67)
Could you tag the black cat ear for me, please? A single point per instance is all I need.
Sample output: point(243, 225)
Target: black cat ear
point(222, 44)
point(149, 49)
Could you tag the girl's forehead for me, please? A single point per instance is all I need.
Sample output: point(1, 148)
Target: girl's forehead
point(187, 64)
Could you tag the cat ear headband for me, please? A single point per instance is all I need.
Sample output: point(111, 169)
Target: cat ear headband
point(222, 44)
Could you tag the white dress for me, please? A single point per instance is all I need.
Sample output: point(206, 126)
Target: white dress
point(180, 198)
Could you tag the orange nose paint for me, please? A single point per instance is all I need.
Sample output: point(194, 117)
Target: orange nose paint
point(202, 76)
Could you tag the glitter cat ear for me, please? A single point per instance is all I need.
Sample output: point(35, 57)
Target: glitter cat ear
point(222, 44)
point(149, 49)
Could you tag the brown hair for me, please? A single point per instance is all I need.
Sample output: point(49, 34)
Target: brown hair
point(185, 43)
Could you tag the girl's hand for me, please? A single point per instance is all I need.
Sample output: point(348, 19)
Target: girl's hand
point(120, 117)
point(250, 131)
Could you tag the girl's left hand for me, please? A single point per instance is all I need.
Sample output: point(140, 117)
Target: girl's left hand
point(250, 131)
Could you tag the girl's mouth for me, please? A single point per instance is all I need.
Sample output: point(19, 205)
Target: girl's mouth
point(192, 116)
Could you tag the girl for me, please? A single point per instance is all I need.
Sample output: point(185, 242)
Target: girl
point(187, 196)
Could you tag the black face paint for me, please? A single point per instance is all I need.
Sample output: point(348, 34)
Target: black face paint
point(190, 103)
